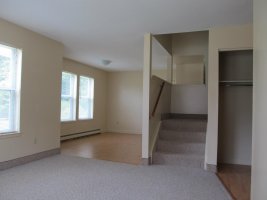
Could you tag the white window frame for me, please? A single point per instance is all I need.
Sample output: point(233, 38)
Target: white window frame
point(89, 97)
point(72, 97)
point(14, 90)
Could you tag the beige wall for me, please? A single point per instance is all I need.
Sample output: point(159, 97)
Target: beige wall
point(161, 73)
point(166, 41)
point(239, 37)
point(163, 107)
point(100, 99)
point(117, 101)
point(124, 102)
point(259, 136)
point(190, 99)
point(40, 96)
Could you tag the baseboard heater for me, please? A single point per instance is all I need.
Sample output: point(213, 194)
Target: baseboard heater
point(81, 134)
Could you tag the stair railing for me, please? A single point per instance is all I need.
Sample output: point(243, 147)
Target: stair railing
point(157, 101)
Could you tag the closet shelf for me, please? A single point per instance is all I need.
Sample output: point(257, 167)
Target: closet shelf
point(236, 83)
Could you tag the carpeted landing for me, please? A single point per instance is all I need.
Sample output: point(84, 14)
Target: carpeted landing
point(72, 178)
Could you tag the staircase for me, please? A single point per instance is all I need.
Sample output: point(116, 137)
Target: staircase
point(181, 142)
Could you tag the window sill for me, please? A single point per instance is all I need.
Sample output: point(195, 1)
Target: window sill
point(86, 119)
point(74, 121)
point(69, 121)
point(9, 135)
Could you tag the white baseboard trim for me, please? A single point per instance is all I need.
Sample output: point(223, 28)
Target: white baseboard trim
point(124, 131)
point(146, 161)
point(211, 168)
point(26, 159)
point(81, 134)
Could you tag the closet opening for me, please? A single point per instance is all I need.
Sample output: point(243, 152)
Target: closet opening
point(235, 121)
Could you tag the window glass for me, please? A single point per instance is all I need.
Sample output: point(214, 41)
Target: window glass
point(68, 97)
point(10, 64)
point(86, 97)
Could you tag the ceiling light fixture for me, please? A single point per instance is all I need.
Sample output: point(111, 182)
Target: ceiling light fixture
point(106, 62)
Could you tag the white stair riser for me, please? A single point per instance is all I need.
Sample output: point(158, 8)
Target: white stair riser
point(183, 136)
point(185, 125)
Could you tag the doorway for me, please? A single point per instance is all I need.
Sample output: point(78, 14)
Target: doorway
point(235, 121)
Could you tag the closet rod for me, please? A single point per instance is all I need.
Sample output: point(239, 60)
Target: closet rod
point(236, 83)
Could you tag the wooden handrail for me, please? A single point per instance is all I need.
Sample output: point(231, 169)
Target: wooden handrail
point(158, 98)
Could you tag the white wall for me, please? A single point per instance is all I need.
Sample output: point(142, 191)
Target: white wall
point(235, 125)
point(259, 136)
point(151, 87)
point(124, 102)
point(239, 37)
point(100, 99)
point(40, 93)
point(190, 99)
point(161, 61)
point(146, 95)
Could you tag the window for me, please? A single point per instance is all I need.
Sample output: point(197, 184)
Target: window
point(86, 98)
point(68, 96)
point(10, 67)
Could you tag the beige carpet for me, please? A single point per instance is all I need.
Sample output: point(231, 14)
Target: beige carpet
point(72, 178)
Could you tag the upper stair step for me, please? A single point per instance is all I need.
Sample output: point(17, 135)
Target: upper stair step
point(185, 124)
point(182, 136)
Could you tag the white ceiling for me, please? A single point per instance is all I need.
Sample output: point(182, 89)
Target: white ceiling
point(92, 30)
